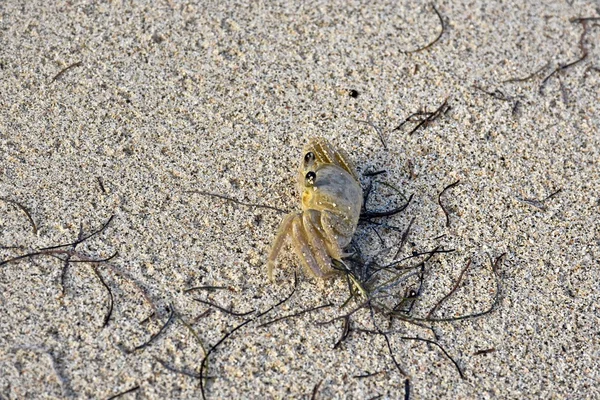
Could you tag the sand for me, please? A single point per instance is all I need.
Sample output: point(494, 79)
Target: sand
point(133, 110)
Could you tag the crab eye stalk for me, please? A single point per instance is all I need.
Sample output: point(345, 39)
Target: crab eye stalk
point(309, 158)
point(309, 179)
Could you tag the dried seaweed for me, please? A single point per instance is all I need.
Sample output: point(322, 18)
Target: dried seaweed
point(236, 201)
point(437, 38)
point(64, 70)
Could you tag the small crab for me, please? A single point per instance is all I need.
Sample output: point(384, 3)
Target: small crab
point(331, 199)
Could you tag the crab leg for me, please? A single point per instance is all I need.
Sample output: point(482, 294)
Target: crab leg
point(331, 225)
point(314, 232)
point(303, 249)
point(282, 234)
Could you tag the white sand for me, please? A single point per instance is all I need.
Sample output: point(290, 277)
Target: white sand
point(172, 97)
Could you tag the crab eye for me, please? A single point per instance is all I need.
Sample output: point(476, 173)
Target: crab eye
point(309, 179)
point(309, 158)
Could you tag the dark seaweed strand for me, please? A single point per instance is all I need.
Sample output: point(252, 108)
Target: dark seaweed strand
point(171, 368)
point(116, 253)
point(436, 250)
point(77, 64)
point(454, 288)
point(204, 360)
point(437, 37)
point(316, 390)
point(407, 389)
point(484, 351)
point(294, 315)
point(374, 173)
point(205, 288)
point(345, 332)
point(497, 298)
point(33, 254)
point(360, 307)
point(283, 300)
point(377, 130)
point(242, 203)
point(552, 195)
point(387, 341)
point(404, 237)
point(365, 216)
point(584, 52)
point(432, 116)
point(81, 239)
point(414, 298)
point(133, 389)
point(101, 183)
point(440, 201)
point(368, 375)
point(207, 353)
point(379, 236)
point(460, 372)
point(25, 211)
point(366, 194)
point(111, 299)
point(157, 334)
point(528, 77)
point(223, 309)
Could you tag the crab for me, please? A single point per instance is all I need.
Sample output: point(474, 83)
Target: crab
point(332, 199)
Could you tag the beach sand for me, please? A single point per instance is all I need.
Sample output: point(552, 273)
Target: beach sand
point(137, 111)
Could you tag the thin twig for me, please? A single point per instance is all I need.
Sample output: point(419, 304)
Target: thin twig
point(539, 203)
point(583, 50)
point(101, 260)
point(25, 210)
